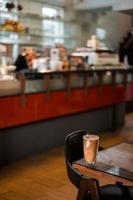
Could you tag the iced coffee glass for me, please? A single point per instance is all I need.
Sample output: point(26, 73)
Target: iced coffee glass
point(90, 147)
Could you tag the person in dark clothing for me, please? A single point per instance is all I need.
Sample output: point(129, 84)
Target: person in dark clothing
point(122, 52)
point(126, 49)
point(24, 60)
point(129, 51)
point(21, 61)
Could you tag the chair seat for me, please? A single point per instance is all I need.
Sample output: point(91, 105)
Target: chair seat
point(118, 192)
point(114, 192)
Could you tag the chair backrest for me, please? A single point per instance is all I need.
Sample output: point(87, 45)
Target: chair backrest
point(73, 152)
point(74, 145)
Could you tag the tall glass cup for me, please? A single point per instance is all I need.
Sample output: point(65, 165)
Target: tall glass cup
point(90, 147)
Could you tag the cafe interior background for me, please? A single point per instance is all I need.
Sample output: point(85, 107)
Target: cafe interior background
point(79, 78)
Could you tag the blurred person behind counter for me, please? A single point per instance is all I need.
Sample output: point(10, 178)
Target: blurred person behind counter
point(25, 59)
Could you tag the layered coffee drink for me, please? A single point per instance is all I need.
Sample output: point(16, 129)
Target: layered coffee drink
point(90, 147)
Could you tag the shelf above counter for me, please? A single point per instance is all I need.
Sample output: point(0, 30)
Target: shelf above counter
point(30, 16)
point(34, 33)
point(39, 28)
point(35, 38)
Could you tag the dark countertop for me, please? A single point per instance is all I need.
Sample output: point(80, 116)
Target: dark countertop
point(34, 81)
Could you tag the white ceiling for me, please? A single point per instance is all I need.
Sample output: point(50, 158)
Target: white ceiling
point(117, 5)
point(58, 2)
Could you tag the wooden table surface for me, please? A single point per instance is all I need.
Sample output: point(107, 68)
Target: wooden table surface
point(115, 163)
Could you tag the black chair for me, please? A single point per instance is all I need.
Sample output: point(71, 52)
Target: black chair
point(88, 188)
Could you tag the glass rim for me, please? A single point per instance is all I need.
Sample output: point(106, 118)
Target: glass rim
point(91, 136)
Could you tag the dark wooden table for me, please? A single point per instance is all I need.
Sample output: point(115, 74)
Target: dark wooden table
point(113, 163)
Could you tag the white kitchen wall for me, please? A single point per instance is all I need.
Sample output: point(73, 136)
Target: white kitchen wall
point(115, 24)
point(31, 6)
point(123, 5)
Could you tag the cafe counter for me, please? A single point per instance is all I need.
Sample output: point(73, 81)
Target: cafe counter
point(38, 96)
point(41, 108)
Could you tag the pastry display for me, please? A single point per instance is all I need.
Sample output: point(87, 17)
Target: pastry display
point(13, 26)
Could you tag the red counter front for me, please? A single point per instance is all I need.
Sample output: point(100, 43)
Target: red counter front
point(43, 106)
